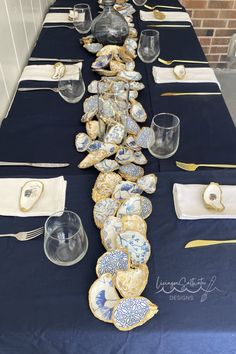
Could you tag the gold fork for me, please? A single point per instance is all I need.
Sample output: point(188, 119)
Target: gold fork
point(193, 166)
point(169, 62)
point(163, 6)
point(202, 243)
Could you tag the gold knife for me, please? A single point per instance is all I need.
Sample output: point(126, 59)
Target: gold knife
point(171, 26)
point(202, 243)
point(189, 93)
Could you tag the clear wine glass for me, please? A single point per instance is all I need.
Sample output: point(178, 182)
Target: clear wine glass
point(139, 2)
point(72, 89)
point(165, 140)
point(82, 18)
point(149, 46)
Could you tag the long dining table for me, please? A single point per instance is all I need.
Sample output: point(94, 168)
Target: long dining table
point(44, 308)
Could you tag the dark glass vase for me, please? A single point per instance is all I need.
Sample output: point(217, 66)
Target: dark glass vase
point(110, 27)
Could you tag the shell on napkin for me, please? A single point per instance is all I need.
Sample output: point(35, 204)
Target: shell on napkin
point(59, 71)
point(212, 197)
point(31, 191)
point(131, 282)
point(179, 72)
point(103, 297)
point(133, 312)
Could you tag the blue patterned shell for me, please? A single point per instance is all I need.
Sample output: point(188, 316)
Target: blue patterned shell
point(125, 190)
point(112, 261)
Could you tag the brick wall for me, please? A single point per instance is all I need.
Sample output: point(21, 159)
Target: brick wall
point(215, 23)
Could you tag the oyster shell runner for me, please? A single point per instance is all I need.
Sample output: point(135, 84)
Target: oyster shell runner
point(114, 142)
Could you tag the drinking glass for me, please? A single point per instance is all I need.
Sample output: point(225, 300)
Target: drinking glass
point(65, 241)
point(165, 139)
point(149, 46)
point(82, 18)
point(72, 89)
point(139, 2)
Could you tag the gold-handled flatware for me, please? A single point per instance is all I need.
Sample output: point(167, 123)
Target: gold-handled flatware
point(190, 93)
point(170, 26)
point(193, 166)
point(162, 6)
point(202, 243)
point(169, 62)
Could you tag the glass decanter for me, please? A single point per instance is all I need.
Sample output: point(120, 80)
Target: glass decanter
point(110, 27)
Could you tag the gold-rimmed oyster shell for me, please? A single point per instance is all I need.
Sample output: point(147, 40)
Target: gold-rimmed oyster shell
point(92, 158)
point(105, 185)
point(112, 261)
point(30, 194)
point(132, 312)
point(109, 232)
point(179, 72)
point(212, 197)
point(92, 129)
point(116, 66)
point(134, 223)
point(131, 282)
point(104, 208)
point(59, 71)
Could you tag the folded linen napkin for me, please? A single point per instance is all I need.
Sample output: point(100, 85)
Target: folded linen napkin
point(45, 72)
point(57, 17)
point(170, 16)
point(193, 75)
point(51, 200)
point(189, 205)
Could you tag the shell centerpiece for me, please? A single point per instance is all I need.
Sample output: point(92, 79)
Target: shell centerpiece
point(137, 111)
point(92, 158)
point(131, 172)
point(111, 228)
point(124, 156)
point(144, 136)
point(134, 223)
point(92, 129)
point(82, 142)
point(125, 189)
point(115, 134)
point(146, 207)
point(107, 165)
point(131, 206)
point(104, 208)
point(112, 261)
point(139, 158)
point(148, 183)
point(212, 197)
point(103, 297)
point(105, 185)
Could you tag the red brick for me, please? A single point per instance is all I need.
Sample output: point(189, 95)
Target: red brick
point(195, 4)
point(196, 23)
point(224, 33)
point(232, 24)
point(214, 23)
point(206, 49)
point(219, 49)
point(221, 4)
point(222, 41)
point(227, 14)
point(205, 14)
point(211, 57)
point(205, 40)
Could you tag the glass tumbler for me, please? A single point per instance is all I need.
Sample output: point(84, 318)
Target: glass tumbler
point(149, 46)
point(139, 2)
point(82, 19)
point(72, 89)
point(65, 241)
point(165, 140)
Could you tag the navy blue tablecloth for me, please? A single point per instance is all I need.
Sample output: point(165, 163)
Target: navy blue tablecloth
point(44, 308)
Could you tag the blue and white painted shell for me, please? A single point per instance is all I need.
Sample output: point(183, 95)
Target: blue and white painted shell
point(125, 189)
point(111, 228)
point(103, 297)
point(82, 142)
point(133, 312)
point(112, 261)
point(131, 172)
point(136, 244)
point(131, 206)
point(107, 165)
point(91, 104)
point(124, 156)
point(148, 183)
point(137, 86)
point(144, 137)
point(101, 62)
point(93, 47)
point(137, 112)
point(104, 208)
point(146, 207)
point(130, 75)
point(130, 124)
point(115, 134)
point(139, 158)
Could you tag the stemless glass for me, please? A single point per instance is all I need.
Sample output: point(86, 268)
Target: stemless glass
point(149, 46)
point(165, 140)
point(139, 2)
point(82, 19)
point(73, 88)
point(65, 241)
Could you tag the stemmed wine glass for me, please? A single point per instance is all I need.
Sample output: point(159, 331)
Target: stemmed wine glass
point(82, 19)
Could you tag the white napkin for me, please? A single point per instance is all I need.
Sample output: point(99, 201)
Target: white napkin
point(189, 203)
point(45, 72)
point(51, 200)
point(193, 75)
point(56, 17)
point(171, 16)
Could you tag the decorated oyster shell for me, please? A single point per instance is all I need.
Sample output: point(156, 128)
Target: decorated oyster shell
point(93, 47)
point(106, 72)
point(148, 183)
point(131, 206)
point(212, 197)
point(137, 111)
point(130, 42)
point(132, 282)
point(139, 158)
point(130, 124)
point(30, 194)
point(124, 156)
point(144, 136)
point(134, 223)
point(90, 106)
point(137, 86)
point(112, 261)
point(133, 33)
point(109, 49)
point(82, 142)
point(146, 207)
point(105, 185)
point(59, 71)
point(95, 145)
point(131, 172)
point(130, 75)
point(136, 244)
point(130, 65)
point(115, 134)
point(133, 95)
point(104, 208)
point(107, 165)
point(179, 72)
point(116, 66)
point(101, 62)
point(92, 129)
point(130, 142)
point(103, 297)
point(125, 190)
point(92, 158)
point(133, 312)
point(111, 228)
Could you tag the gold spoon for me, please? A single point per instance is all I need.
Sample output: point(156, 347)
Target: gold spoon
point(159, 15)
point(163, 6)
